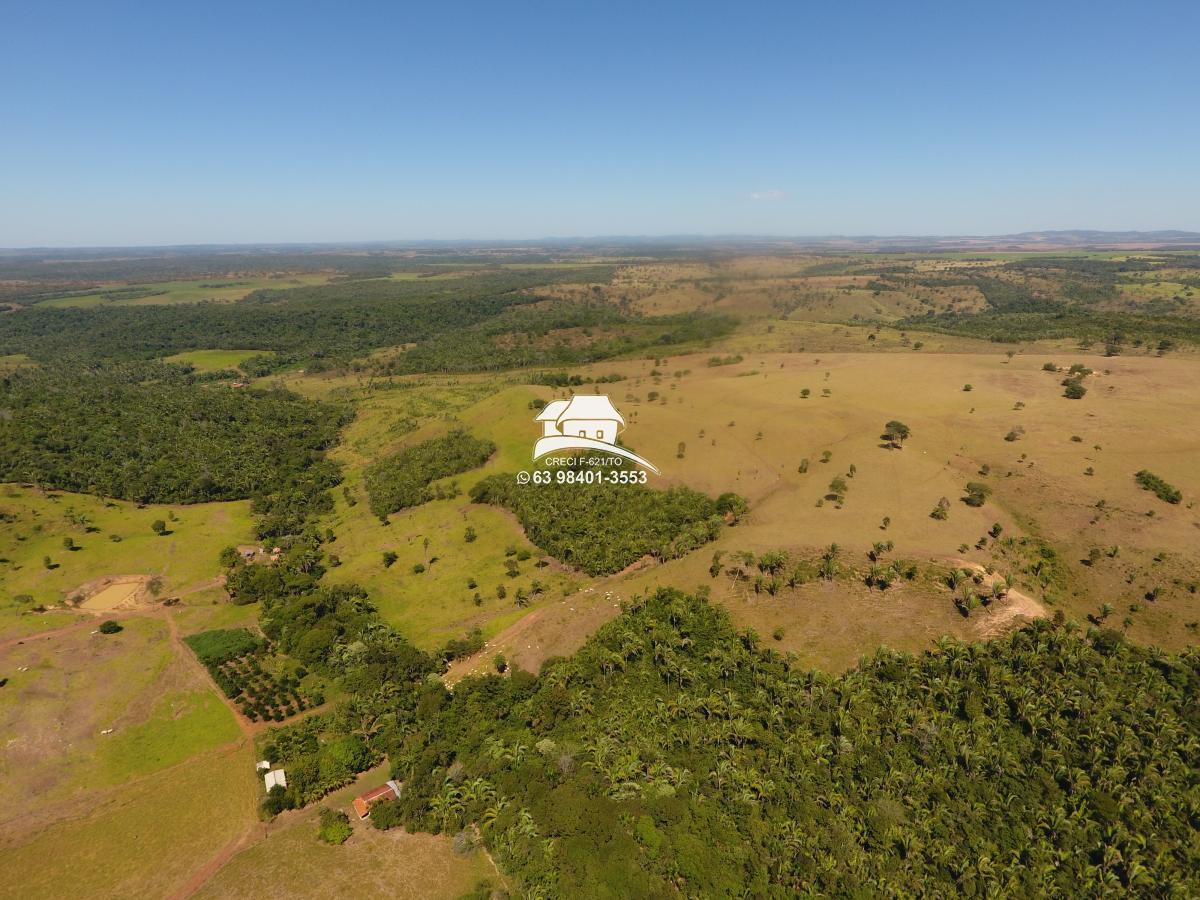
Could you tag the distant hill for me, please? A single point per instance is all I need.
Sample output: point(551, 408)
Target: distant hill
point(38, 263)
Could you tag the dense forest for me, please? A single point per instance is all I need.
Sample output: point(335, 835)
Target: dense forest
point(602, 528)
point(149, 432)
point(403, 479)
point(673, 756)
point(340, 320)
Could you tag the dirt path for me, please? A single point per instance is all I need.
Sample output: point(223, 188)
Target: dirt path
point(189, 658)
point(248, 838)
point(219, 581)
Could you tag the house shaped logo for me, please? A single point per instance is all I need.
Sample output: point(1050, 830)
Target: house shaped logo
point(585, 422)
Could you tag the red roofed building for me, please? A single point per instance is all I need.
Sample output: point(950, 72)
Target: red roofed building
point(364, 802)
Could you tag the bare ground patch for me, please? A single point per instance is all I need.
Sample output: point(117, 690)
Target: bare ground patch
point(112, 592)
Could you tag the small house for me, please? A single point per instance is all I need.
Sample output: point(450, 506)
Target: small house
point(275, 778)
point(364, 802)
point(264, 765)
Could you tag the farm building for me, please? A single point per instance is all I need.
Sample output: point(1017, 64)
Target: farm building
point(590, 416)
point(275, 778)
point(364, 802)
point(263, 765)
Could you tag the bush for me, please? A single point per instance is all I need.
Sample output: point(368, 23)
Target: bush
point(1074, 389)
point(977, 493)
point(1161, 489)
point(386, 814)
point(335, 826)
point(108, 626)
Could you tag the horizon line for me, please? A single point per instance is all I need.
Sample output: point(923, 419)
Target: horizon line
point(1097, 234)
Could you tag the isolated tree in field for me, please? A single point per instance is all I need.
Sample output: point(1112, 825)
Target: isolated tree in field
point(977, 493)
point(941, 512)
point(896, 433)
point(803, 467)
point(68, 543)
point(1074, 389)
point(837, 488)
point(159, 527)
point(108, 626)
point(804, 394)
point(47, 562)
point(826, 455)
point(469, 535)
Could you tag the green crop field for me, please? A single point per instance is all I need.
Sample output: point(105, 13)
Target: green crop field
point(156, 293)
point(215, 360)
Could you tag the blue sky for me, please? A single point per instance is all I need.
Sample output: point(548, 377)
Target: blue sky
point(188, 123)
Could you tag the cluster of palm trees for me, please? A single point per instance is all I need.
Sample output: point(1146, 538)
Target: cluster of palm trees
point(973, 589)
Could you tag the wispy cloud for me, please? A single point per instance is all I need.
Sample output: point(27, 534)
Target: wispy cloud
point(771, 195)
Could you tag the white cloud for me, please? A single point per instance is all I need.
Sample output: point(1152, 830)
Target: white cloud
point(771, 195)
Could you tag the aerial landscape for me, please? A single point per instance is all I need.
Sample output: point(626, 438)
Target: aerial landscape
point(834, 539)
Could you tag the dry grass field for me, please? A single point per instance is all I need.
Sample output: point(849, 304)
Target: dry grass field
point(747, 428)
point(291, 862)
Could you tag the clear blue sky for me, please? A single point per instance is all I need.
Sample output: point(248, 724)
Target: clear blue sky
point(162, 123)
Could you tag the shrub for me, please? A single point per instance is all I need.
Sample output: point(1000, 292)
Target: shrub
point(108, 626)
point(977, 493)
point(335, 826)
point(1161, 489)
